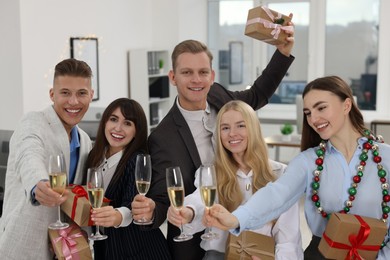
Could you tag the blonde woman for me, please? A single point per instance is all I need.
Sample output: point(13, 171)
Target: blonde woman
point(242, 167)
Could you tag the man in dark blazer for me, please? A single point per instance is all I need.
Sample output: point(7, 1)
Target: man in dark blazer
point(184, 136)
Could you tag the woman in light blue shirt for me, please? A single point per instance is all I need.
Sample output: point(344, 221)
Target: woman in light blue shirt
point(342, 168)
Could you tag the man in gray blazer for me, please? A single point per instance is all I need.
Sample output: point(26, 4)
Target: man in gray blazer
point(30, 205)
point(185, 136)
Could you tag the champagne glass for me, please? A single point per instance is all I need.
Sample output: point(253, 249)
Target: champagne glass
point(57, 178)
point(95, 189)
point(143, 176)
point(208, 191)
point(175, 189)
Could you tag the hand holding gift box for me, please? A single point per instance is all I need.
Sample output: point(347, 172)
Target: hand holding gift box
point(78, 207)
point(352, 237)
point(70, 243)
point(267, 25)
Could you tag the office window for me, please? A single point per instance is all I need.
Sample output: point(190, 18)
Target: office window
point(351, 48)
point(296, 78)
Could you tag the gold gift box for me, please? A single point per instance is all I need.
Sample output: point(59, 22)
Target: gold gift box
point(258, 22)
point(249, 244)
point(342, 228)
point(75, 241)
point(82, 211)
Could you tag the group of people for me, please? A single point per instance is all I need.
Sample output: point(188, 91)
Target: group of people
point(206, 123)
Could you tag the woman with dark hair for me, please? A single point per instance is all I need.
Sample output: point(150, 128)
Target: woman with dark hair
point(342, 168)
point(122, 134)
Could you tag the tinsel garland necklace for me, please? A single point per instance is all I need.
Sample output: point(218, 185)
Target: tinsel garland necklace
point(369, 145)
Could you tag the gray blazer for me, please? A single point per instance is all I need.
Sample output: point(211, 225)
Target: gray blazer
point(23, 226)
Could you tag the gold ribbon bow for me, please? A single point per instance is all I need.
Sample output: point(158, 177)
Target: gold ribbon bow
point(250, 249)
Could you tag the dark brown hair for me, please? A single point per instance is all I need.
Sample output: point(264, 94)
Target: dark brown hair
point(72, 67)
point(340, 88)
point(132, 111)
point(189, 46)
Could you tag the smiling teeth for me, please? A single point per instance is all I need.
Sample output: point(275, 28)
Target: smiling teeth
point(323, 125)
point(234, 141)
point(73, 110)
point(196, 89)
point(117, 136)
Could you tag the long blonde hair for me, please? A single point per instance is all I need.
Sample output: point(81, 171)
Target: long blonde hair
point(255, 156)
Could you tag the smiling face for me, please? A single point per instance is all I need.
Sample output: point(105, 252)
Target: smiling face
point(325, 112)
point(193, 78)
point(234, 133)
point(119, 131)
point(71, 97)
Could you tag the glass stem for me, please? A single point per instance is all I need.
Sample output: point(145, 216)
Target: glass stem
point(97, 231)
point(59, 214)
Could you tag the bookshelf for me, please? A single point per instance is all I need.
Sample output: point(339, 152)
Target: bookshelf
point(149, 83)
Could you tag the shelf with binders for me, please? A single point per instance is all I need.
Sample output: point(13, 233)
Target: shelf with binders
point(149, 83)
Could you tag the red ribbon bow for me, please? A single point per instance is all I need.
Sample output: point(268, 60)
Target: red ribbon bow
point(79, 192)
point(68, 243)
point(356, 241)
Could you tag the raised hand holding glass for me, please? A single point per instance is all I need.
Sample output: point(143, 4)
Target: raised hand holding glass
point(57, 178)
point(208, 192)
point(143, 176)
point(95, 189)
point(175, 189)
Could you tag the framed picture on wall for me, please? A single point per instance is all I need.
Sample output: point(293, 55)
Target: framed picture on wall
point(86, 49)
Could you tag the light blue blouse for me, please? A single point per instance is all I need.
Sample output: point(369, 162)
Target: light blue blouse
point(272, 200)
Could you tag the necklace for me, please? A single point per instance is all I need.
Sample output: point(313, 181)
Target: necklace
point(352, 191)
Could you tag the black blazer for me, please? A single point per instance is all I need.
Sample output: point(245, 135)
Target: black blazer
point(133, 241)
point(172, 144)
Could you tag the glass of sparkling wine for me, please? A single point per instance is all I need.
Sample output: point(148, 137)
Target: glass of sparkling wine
point(57, 178)
point(208, 192)
point(175, 187)
point(143, 176)
point(95, 189)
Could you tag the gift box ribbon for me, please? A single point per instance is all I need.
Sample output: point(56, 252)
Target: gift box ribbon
point(356, 241)
point(270, 25)
point(68, 243)
point(249, 248)
point(80, 192)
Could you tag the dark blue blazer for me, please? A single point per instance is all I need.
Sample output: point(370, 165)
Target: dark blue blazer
point(133, 241)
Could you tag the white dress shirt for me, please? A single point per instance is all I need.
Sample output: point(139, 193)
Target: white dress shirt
point(286, 230)
point(109, 166)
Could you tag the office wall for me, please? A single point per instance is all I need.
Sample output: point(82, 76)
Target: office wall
point(38, 38)
point(11, 105)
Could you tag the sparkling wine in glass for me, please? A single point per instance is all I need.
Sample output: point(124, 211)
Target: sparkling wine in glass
point(175, 189)
point(143, 176)
point(208, 192)
point(57, 178)
point(95, 189)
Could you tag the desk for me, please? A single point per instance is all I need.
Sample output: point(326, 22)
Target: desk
point(377, 122)
point(277, 141)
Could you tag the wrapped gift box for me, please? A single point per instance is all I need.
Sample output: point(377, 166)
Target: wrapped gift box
point(346, 234)
point(70, 243)
point(249, 244)
point(77, 206)
point(267, 25)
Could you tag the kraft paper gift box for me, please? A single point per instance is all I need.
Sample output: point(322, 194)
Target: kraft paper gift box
point(77, 206)
point(351, 236)
point(249, 244)
point(267, 25)
point(70, 243)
